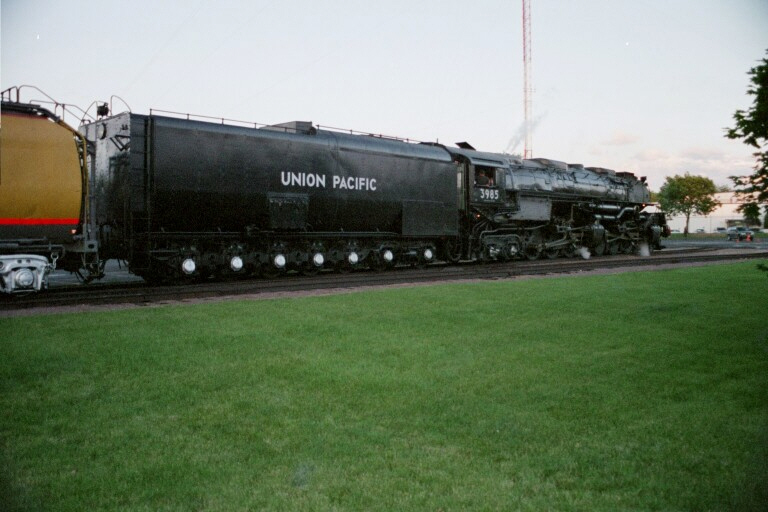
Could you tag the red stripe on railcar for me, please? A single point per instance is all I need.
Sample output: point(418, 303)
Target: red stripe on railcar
point(38, 222)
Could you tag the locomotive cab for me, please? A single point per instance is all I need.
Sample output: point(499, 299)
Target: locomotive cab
point(486, 187)
point(488, 180)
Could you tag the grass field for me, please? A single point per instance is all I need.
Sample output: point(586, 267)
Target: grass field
point(641, 391)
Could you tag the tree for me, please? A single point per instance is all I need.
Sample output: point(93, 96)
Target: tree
point(752, 127)
point(751, 213)
point(688, 195)
point(724, 188)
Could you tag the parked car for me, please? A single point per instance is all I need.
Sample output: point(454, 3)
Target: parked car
point(739, 233)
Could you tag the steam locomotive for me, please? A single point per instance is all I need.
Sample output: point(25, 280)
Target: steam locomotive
point(182, 198)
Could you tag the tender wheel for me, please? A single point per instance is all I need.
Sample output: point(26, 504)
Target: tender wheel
point(350, 260)
point(613, 248)
point(376, 262)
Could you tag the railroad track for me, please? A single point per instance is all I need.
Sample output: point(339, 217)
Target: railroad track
point(138, 293)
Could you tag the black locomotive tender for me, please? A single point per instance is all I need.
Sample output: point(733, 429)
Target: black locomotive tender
point(181, 197)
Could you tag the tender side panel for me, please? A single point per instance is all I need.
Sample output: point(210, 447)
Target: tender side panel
point(40, 182)
point(207, 177)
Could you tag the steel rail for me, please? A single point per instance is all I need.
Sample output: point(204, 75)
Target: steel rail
point(138, 293)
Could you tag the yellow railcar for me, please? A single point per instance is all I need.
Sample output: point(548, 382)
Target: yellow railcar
point(43, 186)
point(41, 182)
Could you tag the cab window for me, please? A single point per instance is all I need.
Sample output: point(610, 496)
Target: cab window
point(485, 176)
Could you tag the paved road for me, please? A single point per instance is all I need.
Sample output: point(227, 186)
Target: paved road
point(720, 243)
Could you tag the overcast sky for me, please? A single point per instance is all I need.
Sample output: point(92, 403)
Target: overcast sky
point(646, 86)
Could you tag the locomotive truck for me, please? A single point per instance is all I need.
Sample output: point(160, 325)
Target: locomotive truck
point(183, 198)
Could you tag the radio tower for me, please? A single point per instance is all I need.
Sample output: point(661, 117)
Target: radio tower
point(528, 150)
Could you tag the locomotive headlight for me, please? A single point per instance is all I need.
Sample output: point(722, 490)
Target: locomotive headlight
point(428, 254)
point(279, 261)
point(236, 263)
point(388, 256)
point(24, 278)
point(189, 266)
point(353, 258)
point(318, 259)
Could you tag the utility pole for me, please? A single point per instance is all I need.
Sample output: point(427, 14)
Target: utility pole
point(527, 92)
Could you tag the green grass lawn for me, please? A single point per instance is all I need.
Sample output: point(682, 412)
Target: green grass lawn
point(642, 391)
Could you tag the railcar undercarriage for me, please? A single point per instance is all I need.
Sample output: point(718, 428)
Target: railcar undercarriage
point(180, 257)
point(587, 231)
